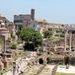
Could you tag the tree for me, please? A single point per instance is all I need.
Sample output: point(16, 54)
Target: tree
point(20, 27)
point(31, 37)
point(18, 33)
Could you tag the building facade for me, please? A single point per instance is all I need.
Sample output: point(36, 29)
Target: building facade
point(25, 20)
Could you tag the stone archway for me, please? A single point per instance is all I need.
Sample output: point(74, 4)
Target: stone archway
point(48, 60)
point(41, 61)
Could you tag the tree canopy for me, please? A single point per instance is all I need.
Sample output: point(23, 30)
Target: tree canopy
point(30, 36)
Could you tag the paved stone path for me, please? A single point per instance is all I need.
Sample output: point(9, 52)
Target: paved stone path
point(47, 70)
point(63, 69)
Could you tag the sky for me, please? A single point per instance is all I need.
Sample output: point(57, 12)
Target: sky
point(54, 11)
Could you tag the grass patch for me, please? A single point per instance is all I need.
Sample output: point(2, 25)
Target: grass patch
point(58, 73)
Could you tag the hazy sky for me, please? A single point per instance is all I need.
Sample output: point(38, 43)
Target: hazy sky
point(58, 11)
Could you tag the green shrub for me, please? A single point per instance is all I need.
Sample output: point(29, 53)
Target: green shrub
point(13, 46)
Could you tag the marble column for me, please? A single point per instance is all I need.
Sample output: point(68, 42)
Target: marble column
point(70, 40)
point(65, 39)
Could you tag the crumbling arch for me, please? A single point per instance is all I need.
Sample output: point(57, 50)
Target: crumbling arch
point(48, 60)
point(41, 61)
